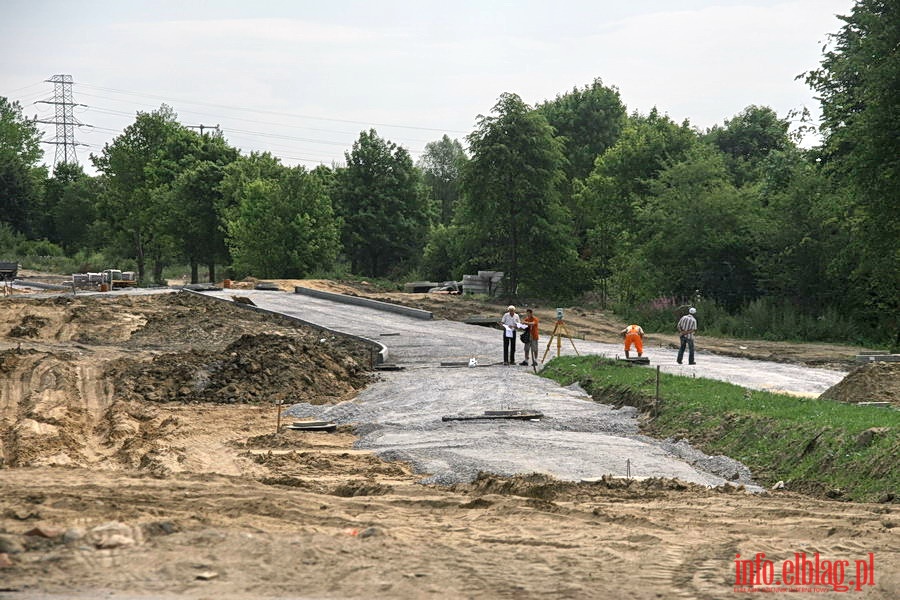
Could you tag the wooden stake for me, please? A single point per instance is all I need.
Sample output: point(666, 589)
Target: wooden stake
point(278, 418)
point(656, 406)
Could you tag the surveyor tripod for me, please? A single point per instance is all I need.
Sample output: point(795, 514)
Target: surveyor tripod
point(560, 330)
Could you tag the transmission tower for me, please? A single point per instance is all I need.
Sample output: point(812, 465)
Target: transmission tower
point(65, 120)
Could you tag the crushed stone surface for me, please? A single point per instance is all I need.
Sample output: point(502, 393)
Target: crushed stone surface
point(400, 416)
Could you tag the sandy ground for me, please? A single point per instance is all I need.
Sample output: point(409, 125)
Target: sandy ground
point(121, 479)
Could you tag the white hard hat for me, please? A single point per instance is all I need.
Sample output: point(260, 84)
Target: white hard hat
point(510, 307)
point(692, 310)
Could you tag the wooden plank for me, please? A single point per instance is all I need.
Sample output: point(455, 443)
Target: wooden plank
point(518, 414)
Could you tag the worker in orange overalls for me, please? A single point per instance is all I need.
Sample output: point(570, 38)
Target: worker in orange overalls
point(633, 334)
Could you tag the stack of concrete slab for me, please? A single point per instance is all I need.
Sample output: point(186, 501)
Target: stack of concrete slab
point(877, 356)
point(419, 287)
point(488, 283)
point(87, 280)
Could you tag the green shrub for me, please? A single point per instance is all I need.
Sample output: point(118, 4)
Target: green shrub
point(763, 319)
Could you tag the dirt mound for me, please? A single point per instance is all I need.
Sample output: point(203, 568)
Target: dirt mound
point(546, 488)
point(871, 382)
point(100, 380)
point(253, 368)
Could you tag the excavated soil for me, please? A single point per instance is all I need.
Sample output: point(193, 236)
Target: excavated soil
point(870, 382)
point(140, 459)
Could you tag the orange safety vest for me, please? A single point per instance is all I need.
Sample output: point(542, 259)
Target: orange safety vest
point(533, 323)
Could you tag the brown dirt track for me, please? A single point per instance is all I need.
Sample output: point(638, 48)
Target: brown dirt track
point(140, 459)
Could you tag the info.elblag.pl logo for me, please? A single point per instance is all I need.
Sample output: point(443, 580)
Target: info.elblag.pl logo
point(803, 574)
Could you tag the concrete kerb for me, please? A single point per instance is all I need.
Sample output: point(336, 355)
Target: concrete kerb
point(416, 313)
point(42, 286)
point(381, 356)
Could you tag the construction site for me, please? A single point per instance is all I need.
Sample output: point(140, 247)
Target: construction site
point(312, 439)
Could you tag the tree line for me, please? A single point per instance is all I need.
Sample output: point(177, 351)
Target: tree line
point(574, 197)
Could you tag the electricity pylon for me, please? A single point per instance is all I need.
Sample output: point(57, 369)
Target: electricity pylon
point(65, 120)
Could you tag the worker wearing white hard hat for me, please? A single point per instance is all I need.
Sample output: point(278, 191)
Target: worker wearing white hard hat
point(687, 326)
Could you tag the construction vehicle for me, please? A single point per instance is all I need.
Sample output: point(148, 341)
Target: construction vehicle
point(8, 270)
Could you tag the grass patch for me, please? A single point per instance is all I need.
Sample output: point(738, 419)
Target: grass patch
point(819, 447)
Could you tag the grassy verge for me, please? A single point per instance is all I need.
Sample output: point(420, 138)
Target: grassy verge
point(820, 447)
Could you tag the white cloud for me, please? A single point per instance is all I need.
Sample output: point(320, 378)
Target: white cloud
point(424, 64)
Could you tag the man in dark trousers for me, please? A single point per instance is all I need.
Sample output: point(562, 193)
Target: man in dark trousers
point(510, 322)
point(687, 326)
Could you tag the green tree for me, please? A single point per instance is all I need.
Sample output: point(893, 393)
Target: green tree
point(748, 139)
point(283, 226)
point(606, 204)
point(384, 208)
point(139, 168)
point(20, 178)
point(70, 204)
point(695, 231)
point(195, 221)
point(443, 254)
point(589, 120)
point(511, 213)
point(806, 254)
point(441, 164)
point(857, 85)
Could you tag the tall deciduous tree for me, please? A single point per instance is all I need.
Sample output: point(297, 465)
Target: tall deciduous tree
point(195, 222)
point(385, 211)
point(139, 168)
point(695, 231)
point(857, 86)
point(589, 120)
point(197, 197)
point(20, 178)
point(283, 226)
point(512, 216)
point(606, 204)
point(806, 250)
point(748, 139)
point(70, 204)
point(441, 164)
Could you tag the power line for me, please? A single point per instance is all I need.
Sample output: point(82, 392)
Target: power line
point(233, 132)
point(225, 119)
point(26, 87)
point(66, 152)
point(270, 112)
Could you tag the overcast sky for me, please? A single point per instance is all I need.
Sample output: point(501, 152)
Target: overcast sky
point(302, 79)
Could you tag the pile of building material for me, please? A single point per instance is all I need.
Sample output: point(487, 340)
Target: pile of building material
point(87, 280)
point(113, 278)
point(488, 283)
point(877, 356)
point(433, 287)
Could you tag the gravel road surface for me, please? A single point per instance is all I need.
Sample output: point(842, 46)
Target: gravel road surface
point(400, 416)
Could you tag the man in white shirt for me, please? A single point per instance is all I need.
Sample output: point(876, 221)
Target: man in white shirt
point(510, 322)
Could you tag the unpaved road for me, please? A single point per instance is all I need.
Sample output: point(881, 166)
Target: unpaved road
point(176, 497)
point(577, 439)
